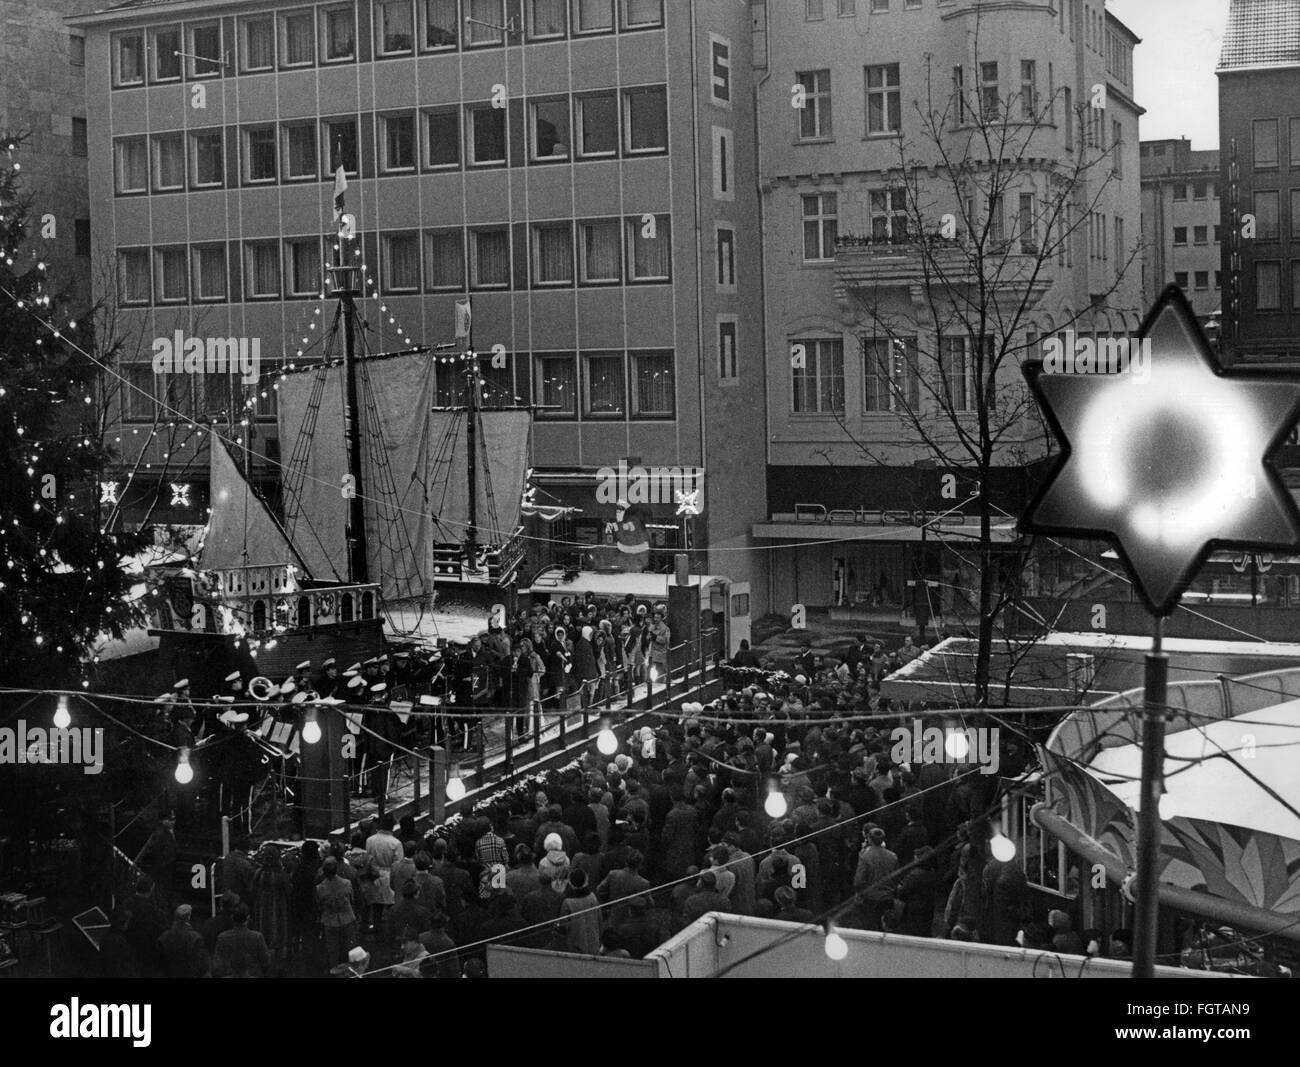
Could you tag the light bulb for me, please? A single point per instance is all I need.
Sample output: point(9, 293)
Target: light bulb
point(62, 717)
point(1002, 847)
point(654, 675)
point(311, 729)
point(1168, 806)
point(455, 787)
point(606, 742)
point(956, 744)
point(184, 772)
point(836, 947)
point(775, 804)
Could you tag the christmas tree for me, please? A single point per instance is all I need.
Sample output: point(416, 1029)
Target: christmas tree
point(61, 583)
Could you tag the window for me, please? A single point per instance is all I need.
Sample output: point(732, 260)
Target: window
point(1265, 136)
point(399, 142)
point(341, 138)
point(1200, 190)
point(815, 115)
point(724, 184)
point(165, 46)
point(1267, 207)
point(179, 394)
point(1180, 279)
point(847, 9)
point(1218, 279)
point(546, 18)
point(601, 252)
point(606, 391)
point(1268, 285)
point(1295, 215)
point(593, 16)
point(819, 383)
point(300, 150)
point(445, 259)
point(1294, 142)
point(173, 275)
point(207, 160)
point(813, 10)
point(955, 372)
point(990, 103)
point(642, 14)
point(888, 215)
point(1027, 224)
point(1117, 143)
point(205, 57)
point(1218, 234)
point(556, 387)
point(890, 374)
point(168, 162)
point(262, 269)
point(139, 393)
point(76, 50)
point(81, 233)
point(597, 125)
point(1121, 246)
point(649, 244)
point(726, 247)
point(128, 58)
point(485, 20)
point(401, 262)
point(338, 33)
point(298, 39)
point(1202, 279)
point(997, 220)
point(488, 135)
point(959, 109)
point(653, 390)
point(133, 276)
point(305, 266)
point(210, 272)
point(553, 253)
point(216, 394)
point(820, 226)
point(259, 44)
point(1180, 236)
point(395, 33)
point(441, 24)
point(1069, 120)
point(880, 6)
point(884, 101)
point(550, 129)
point(727, 350)
point(645, 119)
point(489, 263)
point(79, 139)
point(1028, 89)
point(259, 154)
point(442, 138)
point(1201, 235)
point(132, 165)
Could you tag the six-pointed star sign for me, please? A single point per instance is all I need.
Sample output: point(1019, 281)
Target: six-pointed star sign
point(1168, 458)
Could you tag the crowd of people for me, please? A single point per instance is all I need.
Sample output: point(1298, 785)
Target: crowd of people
point(613, 855)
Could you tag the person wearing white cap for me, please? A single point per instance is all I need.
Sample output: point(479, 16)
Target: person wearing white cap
point(328, 682)
point(234, 683)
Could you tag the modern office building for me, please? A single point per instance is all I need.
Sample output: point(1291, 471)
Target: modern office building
point(1182, 229)
point(582, 169)
point(887, 126)
point(1259, 143)
point(43, 98)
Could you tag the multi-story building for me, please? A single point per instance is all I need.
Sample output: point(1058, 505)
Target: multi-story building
point(1182, 230)
point(580, 168)
point(43, 97)
point(1008, 131)
point(1259, 143)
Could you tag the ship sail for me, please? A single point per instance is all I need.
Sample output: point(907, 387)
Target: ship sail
point(241, 531)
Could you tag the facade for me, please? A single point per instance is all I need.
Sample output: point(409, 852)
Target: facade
point(1181, 224)
point(1259, 140)
point(42, 95)
point(579, 170)
point(870, 339)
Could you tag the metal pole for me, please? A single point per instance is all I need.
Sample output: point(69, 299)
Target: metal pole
point(1149, 829)
point(438, 785)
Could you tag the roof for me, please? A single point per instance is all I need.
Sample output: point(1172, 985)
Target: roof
point(1261, 33)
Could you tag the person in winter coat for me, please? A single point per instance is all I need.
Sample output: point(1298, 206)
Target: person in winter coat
point(579, 917)
point(271, 906)
point(555, 863)
point(678, 837)
point(917, 894)
point(586, 672)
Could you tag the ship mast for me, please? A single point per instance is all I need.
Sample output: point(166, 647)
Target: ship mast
point(345, 288)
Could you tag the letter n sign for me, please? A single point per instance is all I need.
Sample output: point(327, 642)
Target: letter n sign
point(720, 69)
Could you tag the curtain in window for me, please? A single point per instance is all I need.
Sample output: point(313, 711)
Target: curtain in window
point(299, 38)
point(654, 385)
point(595, 15)
point(171, 162)
point(602, 254)
point(441, 23)
point(211, 270)
point(555, 384)
point(129, 66)
point(261, 155)
point(305, 266)
point(643, 12)
point(952, 370)
point(207, 159)
point(135, 277)
point(446, 261)
point(830, 375)
point(343, 145)
point(647, 114)
point(178, 394)
point(650, 254)
point(166, 63)
point(605, 385)
point(599, 125)
point(401, 141)
point(302, 151)
point(444, 139)
point(554, 253)
point(398, 36)
point(403, 262)
point(551, 129)
point(492, 257)
point(265, 270)
point(546, 17)
point(260, 38)
point(139, 392)
point(484, 11)
point(135, 165)
point(340, 34)
point(171, 267)
point(216, 393)
point(205, 44)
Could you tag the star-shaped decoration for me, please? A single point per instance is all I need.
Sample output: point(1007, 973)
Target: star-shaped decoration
point(688, 503)
point(1166, 456)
